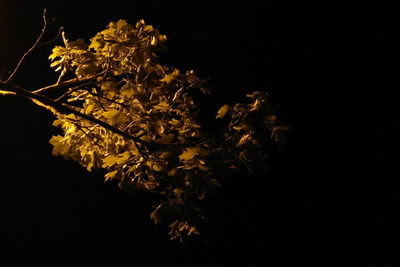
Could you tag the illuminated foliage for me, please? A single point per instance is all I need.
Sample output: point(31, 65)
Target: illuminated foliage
point(126, 113)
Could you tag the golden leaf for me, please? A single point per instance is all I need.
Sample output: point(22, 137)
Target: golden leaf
point(191, 152)
point(115, 116)
point(112, 175)
point(245, 138)
point(118, 159)
point(163, 106)
point(59, 147)
point(170, 77)
point(222, 111)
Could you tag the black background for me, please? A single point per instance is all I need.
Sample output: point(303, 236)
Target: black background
point(332, 194)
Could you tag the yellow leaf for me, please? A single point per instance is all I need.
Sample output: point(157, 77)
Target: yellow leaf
point(174, 122)
point(157, 214)
point(193, 230)
point(222, 111)
point(127, 92)
point(170, 77)
point(89, 108)
point(58, 122)
point(163, 106)
point(178, 191)
point(71, 129)
point(245, 138)
point(110, 114)
point(112, 175)
point(121, 24)
point(115, 116)
point(153, 40)
point(155, 166)
point(191, 152)
point(140, 23)
point(91, 160)
point(59, 147)
point(97, 43)
point(57, 52)
point(146, 138)
point(119, 159)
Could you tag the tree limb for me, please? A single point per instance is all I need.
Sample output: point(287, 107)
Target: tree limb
point(65, 109)
point(70, 82)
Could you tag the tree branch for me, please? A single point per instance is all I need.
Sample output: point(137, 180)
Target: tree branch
point(65, 109)
point(70, 82)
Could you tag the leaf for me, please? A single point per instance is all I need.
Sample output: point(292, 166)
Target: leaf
point(97, 42)
point(118, 159)
point(174, 122)
point(245, 138)
point(178, 191)
point(110, 161)
point(191, 152)
point(59, 147)
point(57, 51)
point(140, 23)
point(127, 92)
point(157, 214)
point(163, 106)
point(155, 166)
point(89, 108)
point(112, 175)
point(170, 77)
point(91, 158)
point(56, 63)
point(115, 116)
point(238, 127)
point(146, 138)
point(193, 230)
point(85, 70)
point(122, 25)
point(222, 111)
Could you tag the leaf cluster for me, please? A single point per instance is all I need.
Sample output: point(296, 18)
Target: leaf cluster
point(163, 148)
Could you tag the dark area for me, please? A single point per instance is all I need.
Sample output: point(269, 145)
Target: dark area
point(331, 196)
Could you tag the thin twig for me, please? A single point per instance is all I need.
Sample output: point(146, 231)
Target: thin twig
point(60, 30)
point(70, 82)
point(70, 90)
point(27, 53)
point(108, 99)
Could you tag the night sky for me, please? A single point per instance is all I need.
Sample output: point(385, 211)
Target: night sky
point(331, 195)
